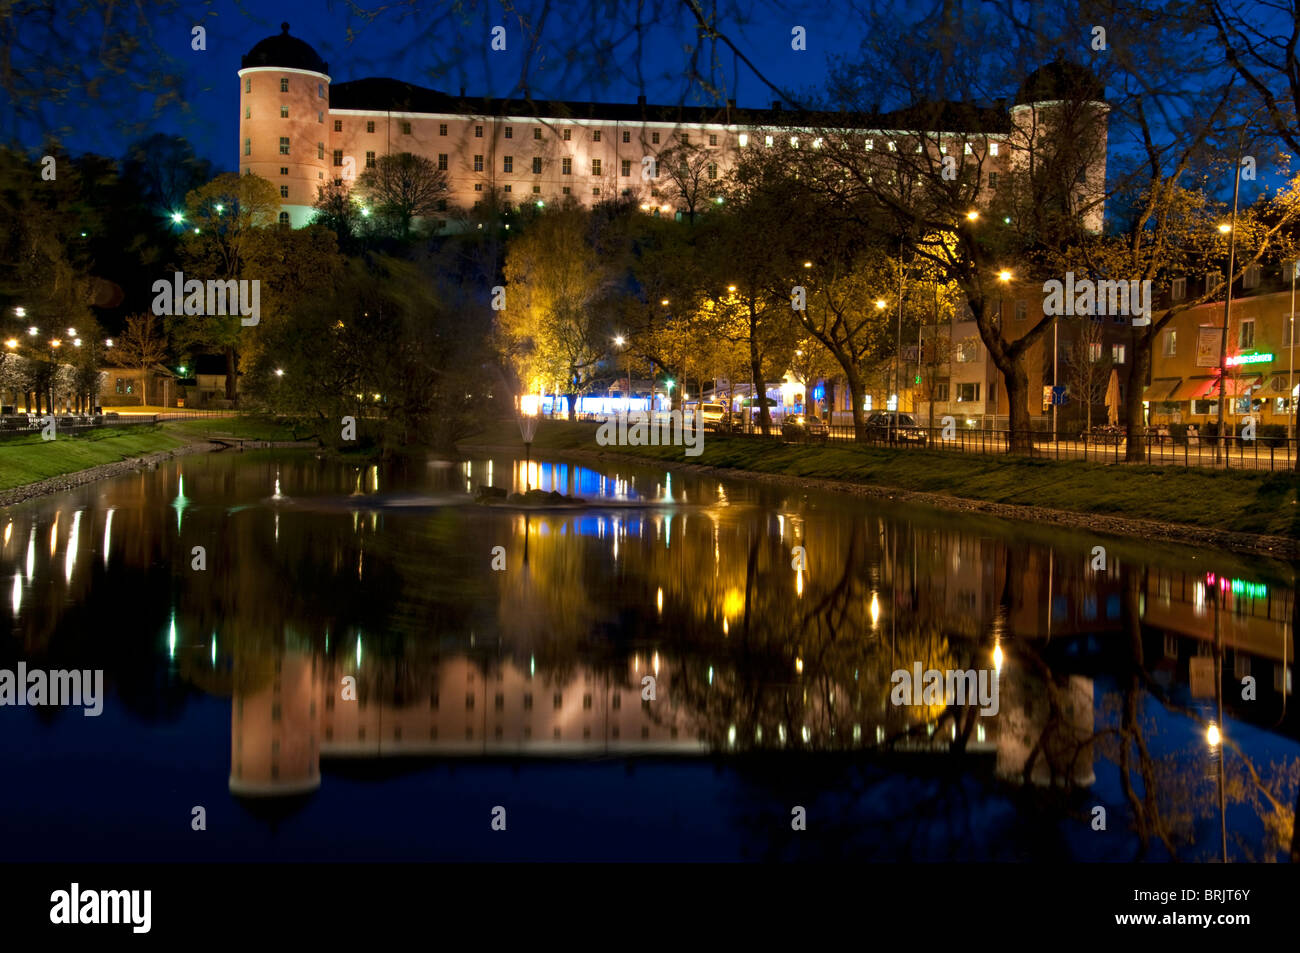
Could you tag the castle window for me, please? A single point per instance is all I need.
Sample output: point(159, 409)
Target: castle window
point(442, 205)
point(338, 181)
point(654, 138)
point(370, 160)
point(478, 163)
point(509, 189)
point(442, 162)
point(284, 112)
point(248, 84)
point(510, 132)
point(284, 218)
point(566, 167)
point(713, 170)
point(284, 169)
point(685, 137)
point(406, 128)
point(442, 128)
point(320, 90)
point(338, 125)
point(508, 164)
point(284, 145)
point(595, 191)
point(537, 190)
point(627, 136)
point(537, 165)
point(537, 132)
point(370, 125)
point(320, 154)
point(248, 147)
point(478, 132)
point(284, 191)
point(566, 190)
point(713, 139)
point(595, 136)
point(338, 157)
point(993, 148)
point(1178, 289)
point(993, 181)
point(320, 117)
point(478, 187)
point(248, 112)
point(567, 135)
point(595, 167)
point(284, 85)
point(626, 167)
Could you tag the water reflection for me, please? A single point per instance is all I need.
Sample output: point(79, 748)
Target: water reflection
point(318, 574)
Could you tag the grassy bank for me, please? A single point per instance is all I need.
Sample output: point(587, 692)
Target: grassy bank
point(1236, 500)
point(244, 428)
point(26, 460)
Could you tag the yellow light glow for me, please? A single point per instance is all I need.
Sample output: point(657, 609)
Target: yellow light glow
point(880, 304)
point(798, 665)
point(529, 404)
point(972, 215)
point(997, 658)
point(1004, 276)
point(1212, 735)
point(1224, 229)
point(875, 610)
point(11, 343)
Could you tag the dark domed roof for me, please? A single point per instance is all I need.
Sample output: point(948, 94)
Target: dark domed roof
point(287, 51)
point(1059, 80)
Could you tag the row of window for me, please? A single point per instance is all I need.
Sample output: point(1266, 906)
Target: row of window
point(284, 86)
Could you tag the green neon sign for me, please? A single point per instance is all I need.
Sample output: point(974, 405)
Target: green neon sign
point(1250, 359)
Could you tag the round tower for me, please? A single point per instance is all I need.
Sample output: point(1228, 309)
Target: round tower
point(1061, 112)
point(284, 121)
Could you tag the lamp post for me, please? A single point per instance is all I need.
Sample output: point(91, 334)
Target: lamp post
point(1290, 371)
point(528, 408)
point(1221, 444)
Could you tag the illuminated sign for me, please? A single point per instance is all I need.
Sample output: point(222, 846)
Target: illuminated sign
point(1250, 359)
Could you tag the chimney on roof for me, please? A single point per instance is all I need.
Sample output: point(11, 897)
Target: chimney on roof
point(640, 100)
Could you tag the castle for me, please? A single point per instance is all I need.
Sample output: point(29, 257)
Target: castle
point(300, 130)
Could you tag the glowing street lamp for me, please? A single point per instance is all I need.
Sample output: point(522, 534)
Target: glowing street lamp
point(1225, 228)
point(279, 372)
point(1004, 276)
point(33, 331)
point(529, 406)
point(11, 343)
point(880, 304)
point(178, 217)
point(21, 312)
point(972, 215)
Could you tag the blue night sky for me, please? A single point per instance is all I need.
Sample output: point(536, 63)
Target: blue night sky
point(420, 43)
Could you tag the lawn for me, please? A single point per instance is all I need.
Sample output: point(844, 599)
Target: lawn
point(29, 459)
point(243, 427)
point(1238, 500)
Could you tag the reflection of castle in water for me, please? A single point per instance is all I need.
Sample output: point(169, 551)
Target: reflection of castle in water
point(288, 714)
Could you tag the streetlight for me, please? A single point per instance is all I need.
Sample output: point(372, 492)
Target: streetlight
point(627, 397)
point(972, 215)
point(528, 409)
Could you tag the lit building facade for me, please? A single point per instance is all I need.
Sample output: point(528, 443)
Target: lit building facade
point(300, 130)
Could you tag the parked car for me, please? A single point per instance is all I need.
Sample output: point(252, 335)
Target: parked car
point(714, 416)
point(804, 427)
point(904, 428)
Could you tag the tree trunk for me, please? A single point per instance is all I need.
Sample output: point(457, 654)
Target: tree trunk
point(231, 365)
point(759, 388)
point(853, 380)
point(1021, 437)
point(1136, 446)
